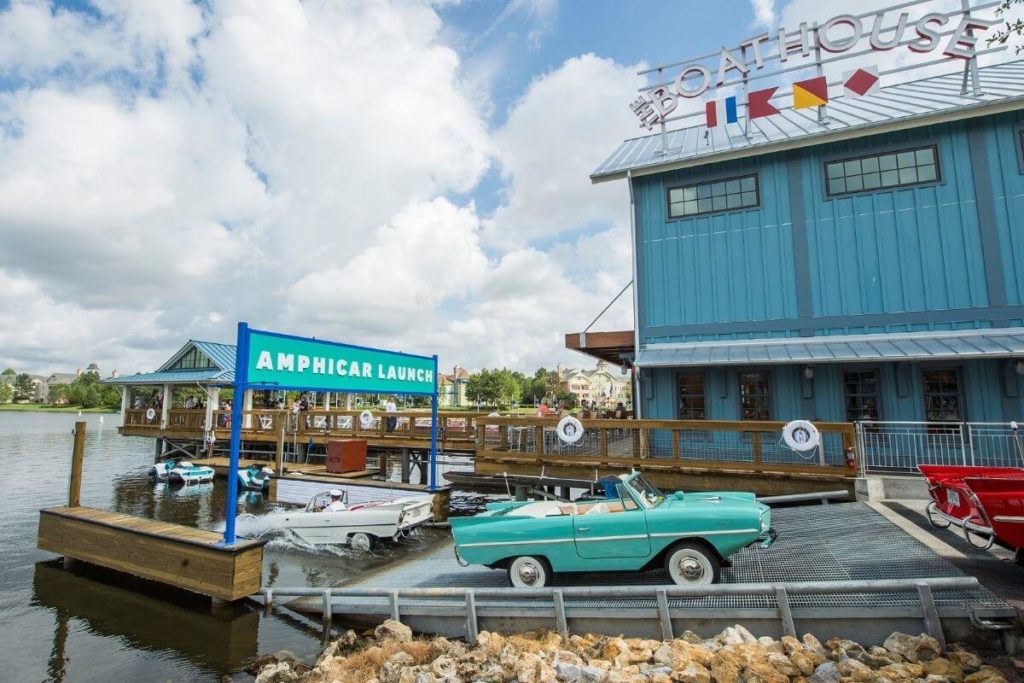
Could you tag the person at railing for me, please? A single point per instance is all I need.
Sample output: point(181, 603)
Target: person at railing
point(137, 403)
point(390, 407)
point(280, 403)
point(225, 406)
point(543, 410)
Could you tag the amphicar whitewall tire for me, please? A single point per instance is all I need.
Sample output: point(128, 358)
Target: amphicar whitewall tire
point(690, 564)
point(361, 541)
point(529, 572)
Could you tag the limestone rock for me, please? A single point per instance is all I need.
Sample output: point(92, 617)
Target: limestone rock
point(986, 674)
point(826, 672)
point(444, 667)
point(838, 648)
point(783, 664)
point(920, 648)
point(804, 661)
point(814, 645)
point(852, 670)
point(763, 672)
point(391, 670)
point(902, 671)
point(726, 666)
point(692, 672)
point(691, 637)
point(614, 648)
point(941, 666)
point(278, 672)
point(746, 635)
point(573, 673)
point(791, 645)
point(966, 659)
point(393, 630)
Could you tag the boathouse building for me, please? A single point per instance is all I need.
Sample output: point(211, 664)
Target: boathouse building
point(858, 260)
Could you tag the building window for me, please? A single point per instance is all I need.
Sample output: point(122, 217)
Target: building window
point(943, 400)
point(691, 397)
point(882, 171)
point(719, 195)
point(193, 360)
point(861, 389)
point(755, 403)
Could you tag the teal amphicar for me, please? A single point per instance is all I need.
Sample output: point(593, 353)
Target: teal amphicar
point(635, 527)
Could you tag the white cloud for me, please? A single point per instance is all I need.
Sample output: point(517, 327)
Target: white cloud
point(166, 171)
point(764, 12)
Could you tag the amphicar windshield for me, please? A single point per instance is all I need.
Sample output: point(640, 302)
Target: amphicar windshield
point(646, 492)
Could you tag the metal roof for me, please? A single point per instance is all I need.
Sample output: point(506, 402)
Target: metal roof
point(895, 107)
point(960, 344)
point(222, 356)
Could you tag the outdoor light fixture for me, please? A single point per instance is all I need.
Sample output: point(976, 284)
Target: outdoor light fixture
point(809, 371)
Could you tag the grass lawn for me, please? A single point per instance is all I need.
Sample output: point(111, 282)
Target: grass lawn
point(37, 408)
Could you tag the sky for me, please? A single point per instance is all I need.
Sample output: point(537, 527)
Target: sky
point(409, 175)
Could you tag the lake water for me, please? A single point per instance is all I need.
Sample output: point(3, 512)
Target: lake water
point(87, 624)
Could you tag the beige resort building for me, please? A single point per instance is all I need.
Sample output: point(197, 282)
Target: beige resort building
point(605, 385)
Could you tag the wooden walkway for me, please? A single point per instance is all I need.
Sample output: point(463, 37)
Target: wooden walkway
point(180, 556)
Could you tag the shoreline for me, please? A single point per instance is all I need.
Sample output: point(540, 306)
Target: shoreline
point(35, 408)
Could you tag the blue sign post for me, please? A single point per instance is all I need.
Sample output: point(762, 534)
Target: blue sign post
point(266, 360)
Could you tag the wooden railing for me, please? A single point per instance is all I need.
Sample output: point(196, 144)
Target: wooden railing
point(452, 426)
point(186, 418)
point(665, 444)
point(139, 417)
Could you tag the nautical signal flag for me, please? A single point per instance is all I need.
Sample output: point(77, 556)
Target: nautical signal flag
point(863, 81)
point(758, 104)
point(721, 111)
point(810, 93)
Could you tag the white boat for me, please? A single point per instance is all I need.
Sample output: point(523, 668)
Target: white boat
point(254, 477)
point(162, 469)
point(360, 525)
point(187, 473)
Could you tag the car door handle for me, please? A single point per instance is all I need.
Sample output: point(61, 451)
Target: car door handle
point(583, 529)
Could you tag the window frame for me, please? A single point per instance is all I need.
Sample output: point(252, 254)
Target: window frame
point(1018, 131)
point(878, 389)
point(710, 181)
point(829, 195)
point(769, 378)
point(704, 387)
point(957, 370)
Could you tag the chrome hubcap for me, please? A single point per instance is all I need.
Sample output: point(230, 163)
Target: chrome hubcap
point(690, 569)
point(528, 573)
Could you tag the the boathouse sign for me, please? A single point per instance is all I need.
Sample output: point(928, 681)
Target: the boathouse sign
point(296, 362)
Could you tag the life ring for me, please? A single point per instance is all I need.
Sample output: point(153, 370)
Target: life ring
point(366, 419)
point(801, 436)
point(150, 414)
point(569, 429)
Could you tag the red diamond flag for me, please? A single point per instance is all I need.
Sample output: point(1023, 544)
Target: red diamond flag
point(758, 104)
point(863, 81)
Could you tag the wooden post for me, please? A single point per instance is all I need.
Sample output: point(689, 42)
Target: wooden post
point(756, 438)
point(77, 454)
point(279, 453)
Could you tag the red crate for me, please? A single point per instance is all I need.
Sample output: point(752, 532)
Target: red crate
point(346, 455)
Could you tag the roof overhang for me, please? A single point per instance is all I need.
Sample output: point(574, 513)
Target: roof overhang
point(212, 377)
point(904, 123)
point(613, 347)
point(911, 346)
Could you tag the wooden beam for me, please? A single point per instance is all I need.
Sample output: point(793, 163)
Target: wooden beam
point(77, 455)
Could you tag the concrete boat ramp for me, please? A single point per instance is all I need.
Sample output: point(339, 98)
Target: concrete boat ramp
point(836, 571)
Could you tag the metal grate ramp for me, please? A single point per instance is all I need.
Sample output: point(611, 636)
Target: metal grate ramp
point(843, 542)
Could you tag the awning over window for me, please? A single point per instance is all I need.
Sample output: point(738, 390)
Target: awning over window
point(960, 344)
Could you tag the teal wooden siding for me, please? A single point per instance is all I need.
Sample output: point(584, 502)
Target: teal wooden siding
point(985, 395)
point(895, 260)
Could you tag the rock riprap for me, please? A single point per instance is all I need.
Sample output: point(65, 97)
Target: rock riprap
point(394, 655)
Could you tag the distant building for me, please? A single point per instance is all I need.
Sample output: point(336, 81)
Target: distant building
point(599, 386)
point(451, 389)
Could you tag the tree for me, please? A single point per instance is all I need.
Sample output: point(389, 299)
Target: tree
point(6, 392)
point(9, 371)
point(23, 387)
point(1002, 35)
point(58, 394)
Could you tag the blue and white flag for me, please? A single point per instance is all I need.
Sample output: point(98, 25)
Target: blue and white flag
point(721, 111)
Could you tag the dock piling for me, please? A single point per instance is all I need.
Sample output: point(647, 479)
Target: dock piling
point(77, 455)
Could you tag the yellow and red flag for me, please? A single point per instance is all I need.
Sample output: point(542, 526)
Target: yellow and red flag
point(810, 93)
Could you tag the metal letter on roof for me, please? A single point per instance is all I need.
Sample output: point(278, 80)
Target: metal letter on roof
point(755, 45)
point(961, 43)
point(843, 44)
point(876, 38)
point(929, 37)
point(728, 61)
point(803, 43)
point(705, 81)
point(664, 101)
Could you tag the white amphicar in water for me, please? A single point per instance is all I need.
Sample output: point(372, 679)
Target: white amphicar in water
point(185, 472)
point(254, 477)
point(328, 520)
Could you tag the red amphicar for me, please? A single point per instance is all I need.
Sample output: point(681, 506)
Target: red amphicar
point(987, 503)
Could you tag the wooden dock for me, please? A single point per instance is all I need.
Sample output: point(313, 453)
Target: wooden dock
point(180, 556)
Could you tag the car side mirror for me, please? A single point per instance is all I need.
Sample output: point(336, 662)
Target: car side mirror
point(678, 495)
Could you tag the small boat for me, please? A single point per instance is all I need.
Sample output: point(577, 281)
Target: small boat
point(986, 503)
point(254, 477)
point(184, 472)
point(162, 469)
point(328, 520)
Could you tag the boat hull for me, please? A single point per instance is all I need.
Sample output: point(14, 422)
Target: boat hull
point(389, 520)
